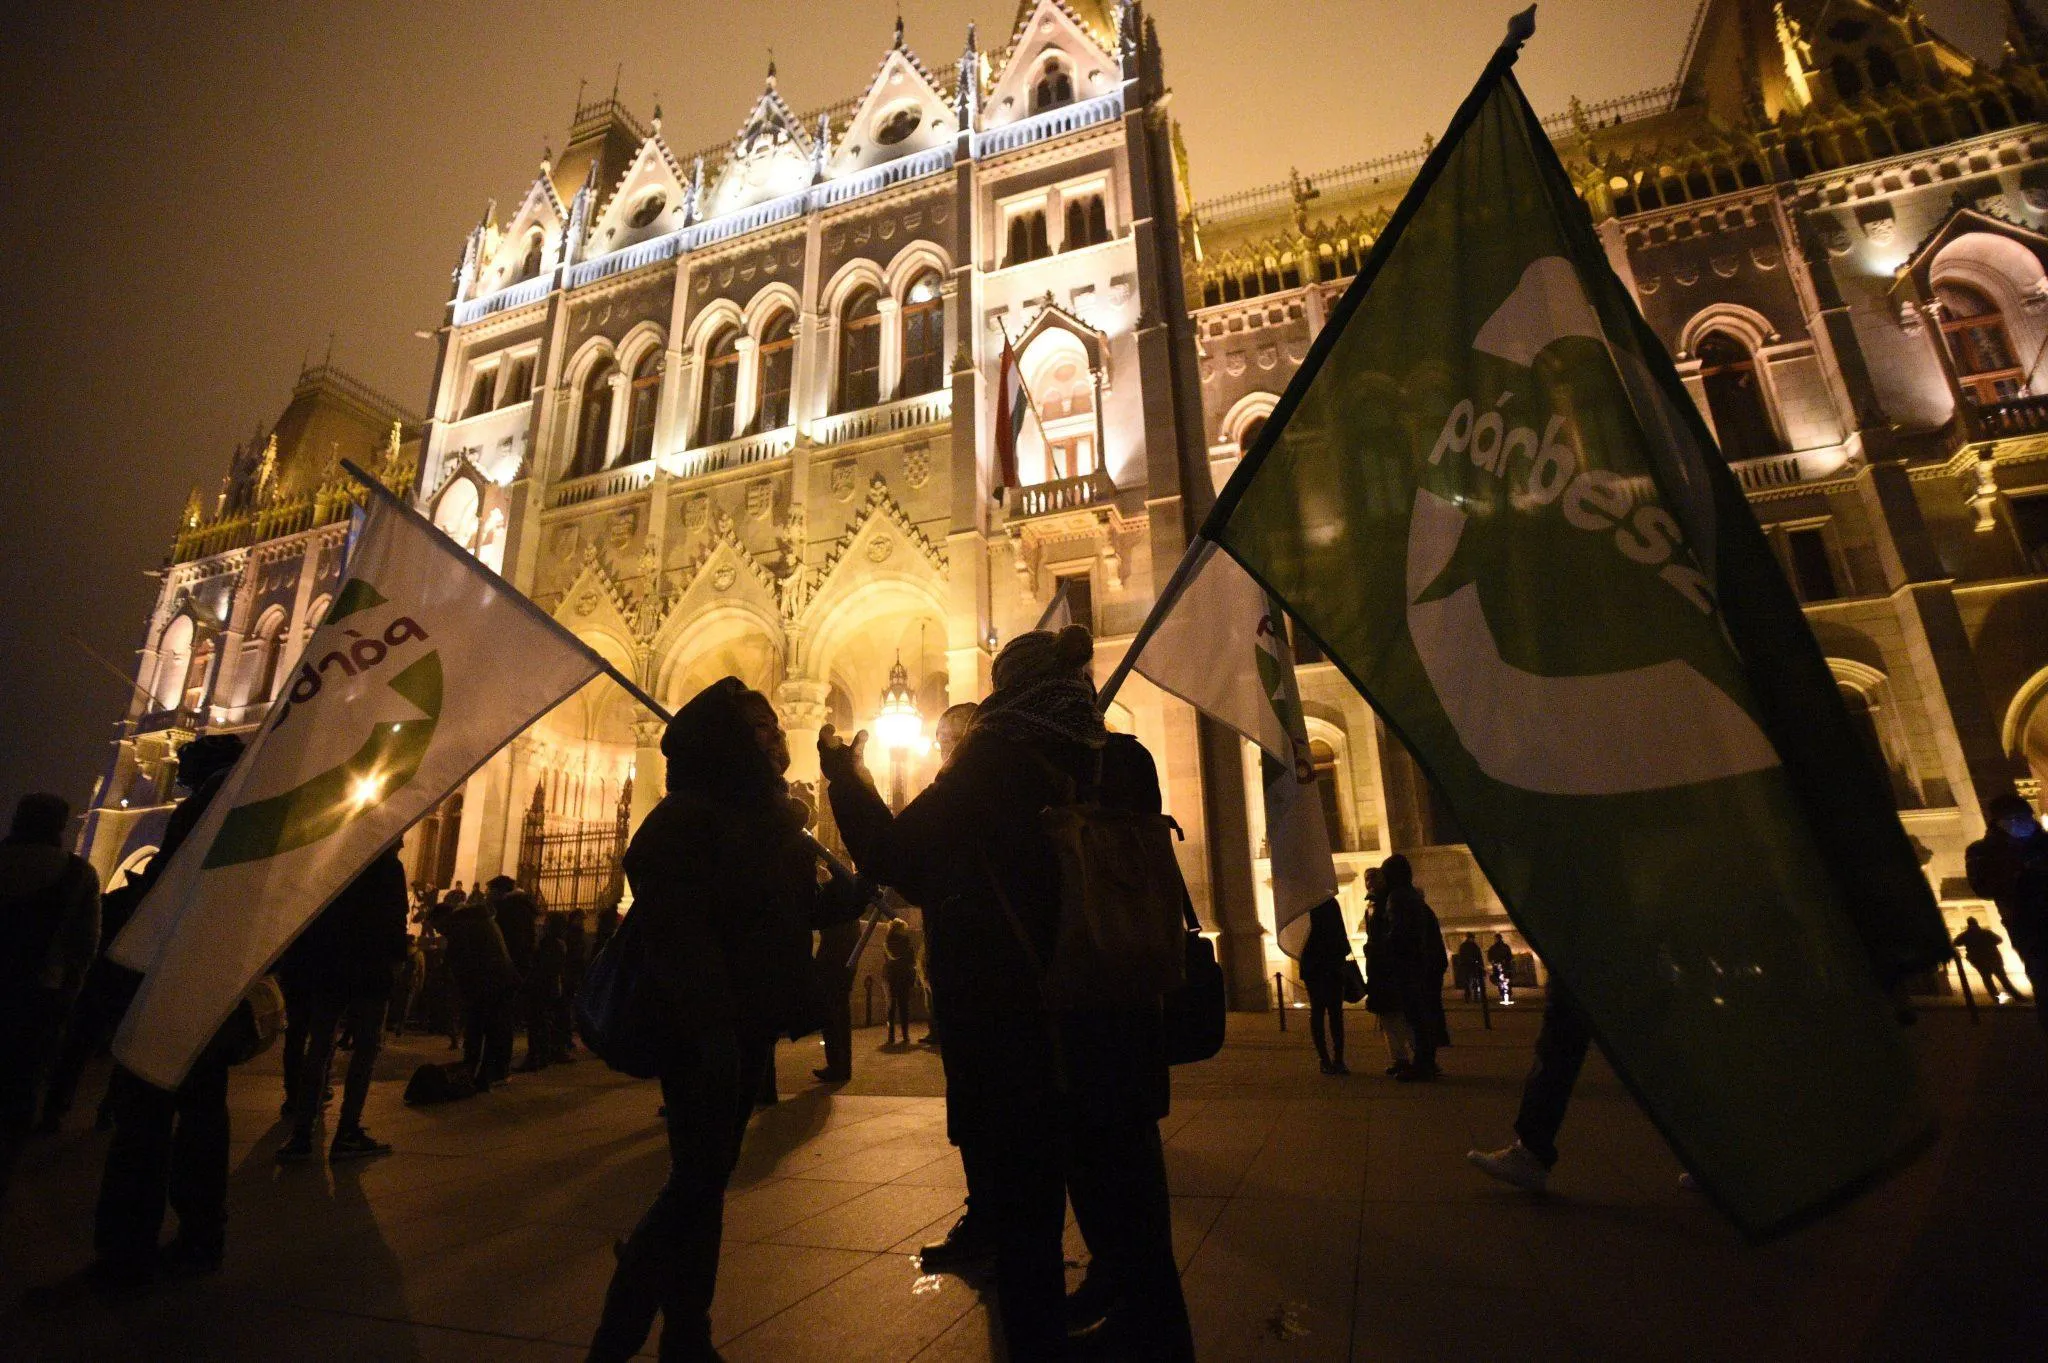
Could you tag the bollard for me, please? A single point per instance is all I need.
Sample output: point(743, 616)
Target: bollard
point(1485, 1013)
point(1280, 998)
point(1969, 998)
point(869, 1015)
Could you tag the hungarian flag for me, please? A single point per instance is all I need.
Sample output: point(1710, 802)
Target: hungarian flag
point(1218, 642)
point(1488, 498)
point(1013, 402)
point(425, 665)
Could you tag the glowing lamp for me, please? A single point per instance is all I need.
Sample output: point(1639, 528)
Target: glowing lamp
point(899, 725)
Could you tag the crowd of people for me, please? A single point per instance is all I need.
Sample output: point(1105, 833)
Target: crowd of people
point(747, 939)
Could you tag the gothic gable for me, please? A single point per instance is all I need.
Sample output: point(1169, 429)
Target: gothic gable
point(505, 251)
point(723, 573)
point(649, 200)
point(771, 156)
point(596, 602)
point(881, 540)
point(902, 113)
point(1051, 40)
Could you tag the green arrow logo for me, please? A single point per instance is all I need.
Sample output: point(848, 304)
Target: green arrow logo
point(321, 806)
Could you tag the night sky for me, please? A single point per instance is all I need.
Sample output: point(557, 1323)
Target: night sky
point(197, 197)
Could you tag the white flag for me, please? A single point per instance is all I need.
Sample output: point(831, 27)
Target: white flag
point(426, 664)
point(1221, 646)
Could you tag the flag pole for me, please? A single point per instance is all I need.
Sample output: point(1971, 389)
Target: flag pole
point(1175, 585)
point(1029, 401)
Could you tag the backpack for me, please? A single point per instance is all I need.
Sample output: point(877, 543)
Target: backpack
point(1122, 941)
point(620, 1013)
point(432, 1083)
point(1193, 1015)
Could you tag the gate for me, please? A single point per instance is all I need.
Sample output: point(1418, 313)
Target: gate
point(573, 864)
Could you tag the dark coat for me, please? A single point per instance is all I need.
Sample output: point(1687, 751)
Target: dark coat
point(519, 924)
point(1416, 949)
point(359, 939)
point(971, 852)
point(1327, 948)
point(476, 955)
point(2013, 874)
point(724, 870)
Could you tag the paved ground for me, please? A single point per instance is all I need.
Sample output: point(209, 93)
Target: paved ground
point(1316, 1219)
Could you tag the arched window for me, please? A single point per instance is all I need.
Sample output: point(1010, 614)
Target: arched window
point(924, 336)
point(270, 652)
point(778, 363)
point(1863, 719)
point(1741, 421)
point(1848, 77)
point(173, 657)
point(1979, 345)
point(721, 387)
point(1055, 86)
point(860, 351)
point(530, 267)
point(646, 394)
point(458, 511)
point(594, 419)
point(1884, 72)
point(1087, 221)
point(1249, 436)
point(1028, 239)
point(197, 675)
point(1324, 759)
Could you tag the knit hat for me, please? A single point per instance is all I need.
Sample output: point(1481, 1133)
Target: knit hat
point(1043, 653)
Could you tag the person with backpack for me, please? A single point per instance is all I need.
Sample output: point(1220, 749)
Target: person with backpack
point(725, 898)
point(1057, 1098)
point(170, 1147)
point(344, 962)
point(49, 932)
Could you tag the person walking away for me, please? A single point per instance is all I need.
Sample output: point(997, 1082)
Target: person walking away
point(1500, 959)
point(543, 993)
point(49, 934)
point(1383, 996)
point(170, 1147)
point(1561, 1047)
point(835, 986)
point(1419, 961)
point(345, 960)
point(727, 878)
point(1468, 969)
point(1322, 970)
point(102, 998)
point(1980, 947)
point(488, 986)
point(2009, 867)
point(1080, 1114)
point(899, 975)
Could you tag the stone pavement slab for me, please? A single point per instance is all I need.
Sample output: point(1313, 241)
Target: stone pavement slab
point(1314, 1219)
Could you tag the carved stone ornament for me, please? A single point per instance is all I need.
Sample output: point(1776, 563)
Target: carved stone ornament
point(1764, 257)
point(1268, 356)
point(723, 576)
point(917, 465)
point(845, 474)
point(1910, 320)
point(1725, 266)
point(879, 548)
point(587, 601)
point(1647, 284)
point(760, 498)
point(1835, 237)
point(619, 529)
point(1686, 278)
point(696, 512)
point(1233, 363)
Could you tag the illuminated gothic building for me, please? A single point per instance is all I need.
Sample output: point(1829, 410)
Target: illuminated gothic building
point(729, 411)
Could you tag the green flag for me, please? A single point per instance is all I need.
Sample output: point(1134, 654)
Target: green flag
point(1489, 500)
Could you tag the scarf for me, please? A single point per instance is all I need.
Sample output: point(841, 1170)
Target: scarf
point(1059, 709)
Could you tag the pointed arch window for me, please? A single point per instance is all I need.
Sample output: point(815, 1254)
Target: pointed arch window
point(197, 674)
point(1028, 239)
point(1087, 221)
point(270, 646)
point(924, 336)
point(645, 397)
point(1742, 423)
point(1979, 344)
point(1055, 86)
point(530, 267)
point(1848, 77)
point(594, 419)
point(721, 387)
point(860, 351)
point(173, 656)
point(778, 364)
point(1324, 759)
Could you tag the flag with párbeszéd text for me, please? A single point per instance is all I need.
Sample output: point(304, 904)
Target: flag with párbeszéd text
point(425, 665)
point(1218, 642)
point(1487, 497)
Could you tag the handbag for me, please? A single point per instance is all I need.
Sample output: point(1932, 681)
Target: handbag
point(1353, 980)
point(620, 1013)
point(1194, 1013)
point(253, 1027)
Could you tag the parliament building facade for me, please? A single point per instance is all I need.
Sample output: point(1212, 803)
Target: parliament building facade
point(732, 412)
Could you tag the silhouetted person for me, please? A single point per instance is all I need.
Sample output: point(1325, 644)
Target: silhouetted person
point(1500, 959)
point(487, 984)
point(518, 920)
point(96, 1013)
point(1560, 1054)
point(726, 876)
point(1080, 1115)
point(575, 960)
point(543, 995)
point(170, 1147)
point(1980, 947)
point(835, 986)
point(344, 962)
point(1385, 996)
point(1323, 956)
point(899, 975)
point(49, 933)
point(2009, 867)
point(1415, 954)
point(1469, 968)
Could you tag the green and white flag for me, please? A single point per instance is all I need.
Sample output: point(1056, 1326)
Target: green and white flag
point(1487, 497)
point(426, 664)
point(1218, 642)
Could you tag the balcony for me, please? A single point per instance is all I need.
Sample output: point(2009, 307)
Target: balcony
point(904, 414)
point(729, 454)
point(2015, 416)
point(597, 486)
point(1772, 471)
point(1061, 494)
point(505, 299)
point(156, 720)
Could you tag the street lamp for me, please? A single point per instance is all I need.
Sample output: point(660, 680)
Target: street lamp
point(898, 726)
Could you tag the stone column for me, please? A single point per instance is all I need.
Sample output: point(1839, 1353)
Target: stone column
point(650, 768)
point(891, 375)
point(801, 702)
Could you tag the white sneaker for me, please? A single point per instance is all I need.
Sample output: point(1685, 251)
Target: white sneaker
point(1513, 1165)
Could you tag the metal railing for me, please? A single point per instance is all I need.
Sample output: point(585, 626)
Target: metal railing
point(2014, 416)
point(730, 454)
point(1062, 494)
point(904, 414)
point(1774, 470)
point(1068, 118)
point(505, 299)
point(597, 486)
point(879, 178)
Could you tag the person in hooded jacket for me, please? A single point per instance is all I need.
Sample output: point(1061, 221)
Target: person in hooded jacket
point(728, 879)
point(1055, 1104)
point(1416, 960)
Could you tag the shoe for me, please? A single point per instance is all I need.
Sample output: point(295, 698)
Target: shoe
point(1339, 1067)
point(1513, 1165)
point(284, 1109)
point(119, 1275)
point(1088, 1307)
point(1417, 1074)
point(1328, 1068)
point(297, 1150)
point(831, 1076)
point(355, 1143)
point(966, 1246)
point(1397, 1069)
